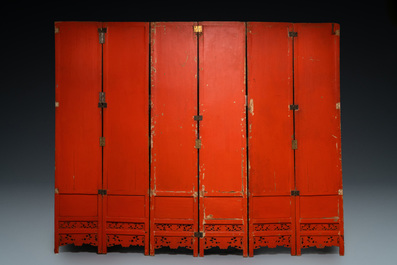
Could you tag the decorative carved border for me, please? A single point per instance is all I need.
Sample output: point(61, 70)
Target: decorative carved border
point(273, 227)
point(173, 242)
point(125, 240)
point(319, 227)
point(272, 241)
point(125, 226)
point(223, 228)
point(223, 242)
point(319, 241)
point(77, 224)
point(78, 239)
point(174, 227)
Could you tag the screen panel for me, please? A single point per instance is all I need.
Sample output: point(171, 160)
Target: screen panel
point(174, 166)
point(126, 132)
point(270, 131)
point(222, 155)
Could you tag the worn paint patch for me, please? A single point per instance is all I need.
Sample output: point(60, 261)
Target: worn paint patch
point(338, 105)
point(251, 107)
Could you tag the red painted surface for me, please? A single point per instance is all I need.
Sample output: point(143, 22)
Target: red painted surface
point(270, 121)
point(317, 128)
point(156, 79)
point(174, 205)
point(126, 132)
point(223, 171)
point(78, 169)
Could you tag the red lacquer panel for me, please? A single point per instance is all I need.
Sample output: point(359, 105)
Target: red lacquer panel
point(78, 156)
point(173, 133)
point(223, 153)
point(317, 128)
point(126, 132)
point(270, 132)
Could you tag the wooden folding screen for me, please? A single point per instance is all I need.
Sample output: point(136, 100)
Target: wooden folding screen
point(270, 123)
point(125, 123)
point(78, 128)
point(222, 156)
point(295, 172)
point(174, 180)
point(318, 168)
point(102, 141)
point(172, 115)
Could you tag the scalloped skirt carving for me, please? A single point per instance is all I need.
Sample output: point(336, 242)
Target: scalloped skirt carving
point(125, 240)
point(173, 242)
point(223, 242)
point(78, 239)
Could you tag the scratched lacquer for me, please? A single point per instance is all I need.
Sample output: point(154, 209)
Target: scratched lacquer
point(174, 169)
point(270, 123)
point(223, 159)
point(317, 127)
point(198, 135)
point(126, 132)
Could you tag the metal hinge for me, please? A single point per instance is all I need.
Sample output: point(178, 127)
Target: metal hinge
point(101, 32)
point(56, 30)
point(294, 144)
point(102, 192)
point(199, 234)
point(293, 107)
point(294, 192)
point(101, 141)
point(102, 100)
point(198, 144)
point(198, 117)
point(198, 29)
point(292, 34)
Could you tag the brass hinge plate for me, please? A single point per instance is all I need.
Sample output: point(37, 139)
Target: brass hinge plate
point(198, 29)
point(294, 144)
point(102, 141)
point(198, 144)
point(198, 117)
point(101, 32)
point(102, 100)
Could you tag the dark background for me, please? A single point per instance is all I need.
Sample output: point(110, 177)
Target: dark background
point(368, 104)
